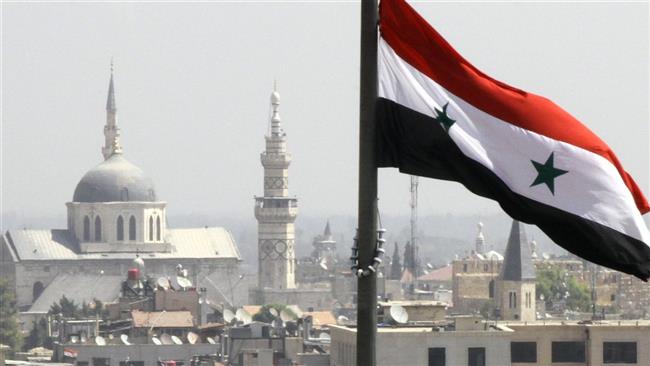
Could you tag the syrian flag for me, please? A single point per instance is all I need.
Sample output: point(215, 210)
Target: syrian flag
point(69, 352)
point(440, 117)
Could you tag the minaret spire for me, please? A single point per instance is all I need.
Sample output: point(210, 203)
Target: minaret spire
point(111, 131)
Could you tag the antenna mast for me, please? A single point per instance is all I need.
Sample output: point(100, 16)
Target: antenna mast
point(414, 222)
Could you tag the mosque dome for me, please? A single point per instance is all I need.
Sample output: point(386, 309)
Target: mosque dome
point(115, 180)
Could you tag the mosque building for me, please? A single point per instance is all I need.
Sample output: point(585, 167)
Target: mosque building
point(115, 216)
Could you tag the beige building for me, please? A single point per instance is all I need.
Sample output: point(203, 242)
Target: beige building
point(503, 344)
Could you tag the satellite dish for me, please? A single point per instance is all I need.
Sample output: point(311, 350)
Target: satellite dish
point(192, 337)
point(323, 265)
point(125, 339)
point(163, 283)
point(74, 339)
point(100, 341)
point(228, 315)
point(274, 312)
point(342, 319)
point(166, 339)
point(429, 266)
point(183, 283)
point(83, 338)
point(156, 341)
point(176, 340)
point(211, 340)
point(398, 314)
point(324, 336)
point(110, 336)
point(244, 316)
point(287, 316)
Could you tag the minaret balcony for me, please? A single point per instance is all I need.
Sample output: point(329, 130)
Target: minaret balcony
point(279, 161)
point(276, 209)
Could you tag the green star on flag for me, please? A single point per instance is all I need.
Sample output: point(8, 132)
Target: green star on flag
point(546, 173)
point(443, 118)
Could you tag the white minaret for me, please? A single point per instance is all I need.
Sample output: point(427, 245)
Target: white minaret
point(480, 240)
point(111, 131)
point(276, 211)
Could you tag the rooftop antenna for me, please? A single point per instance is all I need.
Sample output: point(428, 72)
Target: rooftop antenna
point(414, 222)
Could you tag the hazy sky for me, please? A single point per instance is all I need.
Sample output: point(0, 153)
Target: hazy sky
point(193, 83)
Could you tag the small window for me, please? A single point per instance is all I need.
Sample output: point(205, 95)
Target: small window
point(120, 228)
point(158, 228)
point(476, 356)
point(568, 352)
point(524, 352)
point(491, 289)
point(86, 228)
point(97, 361)
point(619, 352)
point(150, 228)
point(98, 229)
point(131, 363)
point(132, 228)
point(464, 267)
point(437, 356)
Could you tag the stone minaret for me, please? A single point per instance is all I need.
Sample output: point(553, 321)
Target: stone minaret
point(480, 240)
point(276, 211)
point(516, 282)
point(111, 131)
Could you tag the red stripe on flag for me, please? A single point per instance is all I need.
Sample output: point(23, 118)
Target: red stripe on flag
point(415, 41)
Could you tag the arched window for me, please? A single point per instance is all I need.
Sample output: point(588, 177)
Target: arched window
point(98, 229)
point(158, 228)
point(150, 228)
point(37, 290)
point(120, 228)
point(86, 228)
point(491, 289)
point(132, 228)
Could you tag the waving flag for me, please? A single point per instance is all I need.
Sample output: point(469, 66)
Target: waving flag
point(440, 117)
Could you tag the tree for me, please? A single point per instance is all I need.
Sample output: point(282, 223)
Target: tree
point(66, 307)
point(395, 265)
point(556, 284)
point(408, 257)
point(9, 329)
point(38, 336)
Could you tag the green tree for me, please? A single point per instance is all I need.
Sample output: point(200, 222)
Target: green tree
point(38, 336)
point(67, 308)
point(395, 265)
point(9, 329)
point(556, 284)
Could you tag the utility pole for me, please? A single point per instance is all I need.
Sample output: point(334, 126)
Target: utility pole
point(367, 211)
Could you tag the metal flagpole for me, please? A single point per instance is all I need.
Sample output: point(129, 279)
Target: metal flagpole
point(367, 214)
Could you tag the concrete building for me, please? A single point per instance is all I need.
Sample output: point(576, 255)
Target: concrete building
point(462, 343)
point(473, 278)
point(512, 343)
point(115, 214)
point(515, 295)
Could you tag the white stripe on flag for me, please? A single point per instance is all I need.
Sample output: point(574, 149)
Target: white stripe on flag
point(593, 188)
